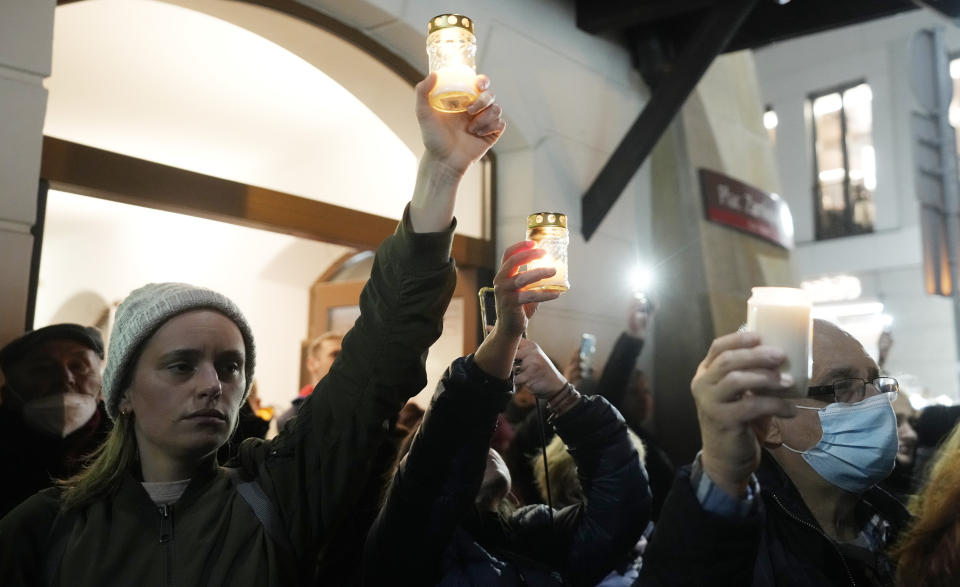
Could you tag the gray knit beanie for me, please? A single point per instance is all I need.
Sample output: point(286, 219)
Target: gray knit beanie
point(143, 312)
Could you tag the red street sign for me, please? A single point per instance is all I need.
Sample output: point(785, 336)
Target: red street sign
point(733, 203)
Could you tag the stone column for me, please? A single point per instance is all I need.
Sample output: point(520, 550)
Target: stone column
point(706, 270)
point(26, 42)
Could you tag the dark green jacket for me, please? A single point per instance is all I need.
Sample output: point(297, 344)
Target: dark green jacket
point(311, 474)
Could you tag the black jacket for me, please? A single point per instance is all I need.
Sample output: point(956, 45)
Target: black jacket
point(31, 460)
point(614, 386)
point(309, 474)
point(779, 544)
point(429, 531)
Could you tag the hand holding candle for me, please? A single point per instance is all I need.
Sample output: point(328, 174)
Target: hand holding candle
point(549, 231)
point(782, 318)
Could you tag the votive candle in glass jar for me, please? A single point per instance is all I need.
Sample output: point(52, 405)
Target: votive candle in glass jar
point(549, 231)
point(782, 316)
point(452, 50)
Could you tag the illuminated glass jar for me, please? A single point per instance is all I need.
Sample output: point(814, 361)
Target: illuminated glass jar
point(452, 49)
point(549, 231)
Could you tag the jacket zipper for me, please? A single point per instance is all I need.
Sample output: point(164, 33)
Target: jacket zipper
point(166, 539)
point(820, 532)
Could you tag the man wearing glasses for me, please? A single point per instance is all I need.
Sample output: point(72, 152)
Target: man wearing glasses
point(782, 492)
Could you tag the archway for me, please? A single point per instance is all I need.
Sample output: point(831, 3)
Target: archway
point(123, 86)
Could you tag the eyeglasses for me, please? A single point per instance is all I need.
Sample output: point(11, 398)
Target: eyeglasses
point(852, 390)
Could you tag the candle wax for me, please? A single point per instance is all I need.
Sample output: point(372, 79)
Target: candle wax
point(787, 326)
point(455, 89)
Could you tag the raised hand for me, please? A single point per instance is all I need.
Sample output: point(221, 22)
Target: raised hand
point(572, 371)
point(515, 306)
point(728, 390)
point(457, 139)
point(453, 141)
point(638, 316)
point(536, 371)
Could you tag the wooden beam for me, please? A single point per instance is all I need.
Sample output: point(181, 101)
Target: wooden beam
point(111, 176)
point(718, 26)
point(771, 22)
point(616, 15)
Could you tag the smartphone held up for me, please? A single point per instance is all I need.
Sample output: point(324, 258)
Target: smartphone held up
point(588, 349)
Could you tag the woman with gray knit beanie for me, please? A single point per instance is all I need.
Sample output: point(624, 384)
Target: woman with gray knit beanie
point(155, 508)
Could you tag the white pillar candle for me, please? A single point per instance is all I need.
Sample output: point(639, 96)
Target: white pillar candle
point(782, 316)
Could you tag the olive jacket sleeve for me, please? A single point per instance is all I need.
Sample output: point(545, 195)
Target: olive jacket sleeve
point(314, 470)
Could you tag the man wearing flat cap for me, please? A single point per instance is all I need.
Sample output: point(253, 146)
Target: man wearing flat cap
point(51, 415)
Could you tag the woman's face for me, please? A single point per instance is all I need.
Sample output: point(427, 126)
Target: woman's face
point(186, 388)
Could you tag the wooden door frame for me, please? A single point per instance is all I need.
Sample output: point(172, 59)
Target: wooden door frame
point(347, 293)
point(88, 171)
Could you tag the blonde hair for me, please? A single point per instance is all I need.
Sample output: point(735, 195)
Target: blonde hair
point(106, 469)
point(565, 489)
point(928, 553)
point(315, 344)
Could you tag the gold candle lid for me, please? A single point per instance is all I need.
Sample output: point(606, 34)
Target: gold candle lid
point(539, 219)
point(445, 21)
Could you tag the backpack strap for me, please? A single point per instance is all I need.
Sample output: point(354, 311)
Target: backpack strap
point(253, 494)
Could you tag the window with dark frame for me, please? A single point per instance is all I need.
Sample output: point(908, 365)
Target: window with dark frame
point(845, 169)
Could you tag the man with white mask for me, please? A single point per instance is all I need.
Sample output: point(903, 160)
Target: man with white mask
point(52, 415)
point(783, 491)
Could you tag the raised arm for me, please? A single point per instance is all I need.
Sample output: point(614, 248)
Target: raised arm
point(710, 525)
point(452, 143)
point(438, 480)
point(315, 469)
point(623, 358)
point(588, 540)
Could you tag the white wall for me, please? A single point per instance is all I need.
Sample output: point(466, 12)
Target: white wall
point(889, 261)
point(108, 249)
point(569, 98)
point(173, 85)
point(26, 27)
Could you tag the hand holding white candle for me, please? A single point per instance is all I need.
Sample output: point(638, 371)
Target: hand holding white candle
point(782, 316)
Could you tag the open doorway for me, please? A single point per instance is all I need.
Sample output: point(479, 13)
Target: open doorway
point(182, 147)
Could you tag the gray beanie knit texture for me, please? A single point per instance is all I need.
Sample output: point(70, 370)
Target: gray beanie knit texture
point(143, 312)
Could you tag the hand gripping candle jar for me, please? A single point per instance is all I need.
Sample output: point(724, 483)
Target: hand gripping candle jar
point(782, 317)
point(549, 231)
point(452, 49)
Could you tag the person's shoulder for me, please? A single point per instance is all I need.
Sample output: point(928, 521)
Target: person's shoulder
point(890, 509)
point(11, 424)
point(34, 516)
point(539, 515)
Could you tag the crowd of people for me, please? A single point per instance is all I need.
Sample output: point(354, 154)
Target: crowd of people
point(154, 467)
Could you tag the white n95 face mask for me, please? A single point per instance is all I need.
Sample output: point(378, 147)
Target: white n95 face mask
point(858, 448)
point(60, 414)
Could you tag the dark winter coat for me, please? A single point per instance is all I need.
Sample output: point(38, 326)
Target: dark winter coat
point(779, 544)
point(30, 460)
point(430, 532)
point(309, 474)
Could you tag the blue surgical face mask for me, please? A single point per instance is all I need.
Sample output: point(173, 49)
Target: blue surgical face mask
point(858, 448)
